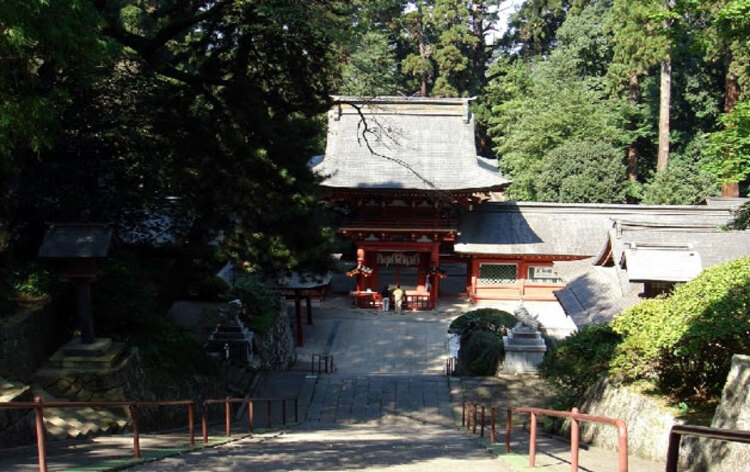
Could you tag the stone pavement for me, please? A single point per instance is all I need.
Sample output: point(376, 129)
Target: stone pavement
point(387, 406)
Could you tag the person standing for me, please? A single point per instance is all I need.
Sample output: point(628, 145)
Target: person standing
point(398, 298)
point(386, 295)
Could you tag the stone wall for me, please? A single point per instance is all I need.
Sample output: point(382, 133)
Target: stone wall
point(648, 420)
point(27, 339)
point(128, 380)
point(275, 349)
point(732, 413)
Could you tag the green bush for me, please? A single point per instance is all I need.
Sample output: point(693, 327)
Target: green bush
point(576, 362)
point(684, 343)
point(481, 351)
point(261, 302)
point(481, 332)
point(484, 319)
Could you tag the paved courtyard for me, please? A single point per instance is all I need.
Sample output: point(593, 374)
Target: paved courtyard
point(387, 406)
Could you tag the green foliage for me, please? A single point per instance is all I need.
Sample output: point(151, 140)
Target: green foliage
point(490, 320)
point(740, 218)
point(372, 68)
point(683, 182)
point(728, 152)
point(582, 172)
point(32, 281)
point(481, 351)
point(481, 334)
point(684, 343)
point(578, 361)
point(125, 309)
point(261, 303)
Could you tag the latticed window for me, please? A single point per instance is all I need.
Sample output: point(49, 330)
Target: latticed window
point(498, 274)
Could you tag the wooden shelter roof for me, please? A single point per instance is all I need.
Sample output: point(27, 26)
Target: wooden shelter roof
point(76, 241)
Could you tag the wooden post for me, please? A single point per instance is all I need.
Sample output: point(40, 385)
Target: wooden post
point(298, 317)
point(309, 310)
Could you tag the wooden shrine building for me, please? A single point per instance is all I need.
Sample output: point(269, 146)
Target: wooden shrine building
point(401, 170)
point(418, 205)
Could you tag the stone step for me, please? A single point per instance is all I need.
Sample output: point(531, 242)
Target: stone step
point(62, 423)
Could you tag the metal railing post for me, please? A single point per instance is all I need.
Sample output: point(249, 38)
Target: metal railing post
point(492, 425)
point(204, 422)
point(250, 415)
point(474, 419)
point(227, 418)
point(463, 415)
point(481, 431)
point(269, 414)
point(673, 451)
point(283, 412)
point(191, 423)
point(574, 438)
point(41, 446)
point(508, 425)
point(622, 446)
point(296, 418)
point(136, 434)
point(532, 442)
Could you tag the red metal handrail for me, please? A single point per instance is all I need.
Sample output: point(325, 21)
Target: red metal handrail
point(250, 410)
point(38, 405)
point(575, 418)
point(677, 431)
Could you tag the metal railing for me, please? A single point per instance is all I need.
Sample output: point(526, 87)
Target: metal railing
point(38, 405)
point(677, 431)
point(469, 420)
point(451, 365)
point(227, 402)
point(324, 364)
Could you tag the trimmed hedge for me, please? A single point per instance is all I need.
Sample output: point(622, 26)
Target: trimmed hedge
point(481, 334)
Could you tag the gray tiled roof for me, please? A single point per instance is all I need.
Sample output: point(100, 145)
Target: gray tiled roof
point(595, 297)
point(404, 143)
point(525, 228)
point(76, 241)
point(590, 297)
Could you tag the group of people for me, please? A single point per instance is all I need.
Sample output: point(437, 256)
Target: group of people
point(397, 295)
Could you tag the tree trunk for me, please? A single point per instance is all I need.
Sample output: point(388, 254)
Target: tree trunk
point(423, 74)
point(633, 92)
point(731, 95)
point(664, 104)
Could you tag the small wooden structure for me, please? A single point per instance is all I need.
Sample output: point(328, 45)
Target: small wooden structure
point(81, 246)
point(298, 286)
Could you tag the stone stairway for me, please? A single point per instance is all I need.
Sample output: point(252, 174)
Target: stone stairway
point(63, 423)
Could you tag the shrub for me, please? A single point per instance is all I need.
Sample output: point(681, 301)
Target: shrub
point(481, 351)
point(684, 343)
point(576, 362)
point(260, 301)
point(484, 319)
point(481, 333)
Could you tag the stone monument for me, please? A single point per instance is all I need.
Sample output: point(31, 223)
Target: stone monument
point(524, 345)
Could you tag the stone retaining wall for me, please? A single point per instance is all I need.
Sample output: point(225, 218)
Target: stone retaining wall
point(648, 419)
point(732, 413)
point(27, 339)
point(275, 349)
